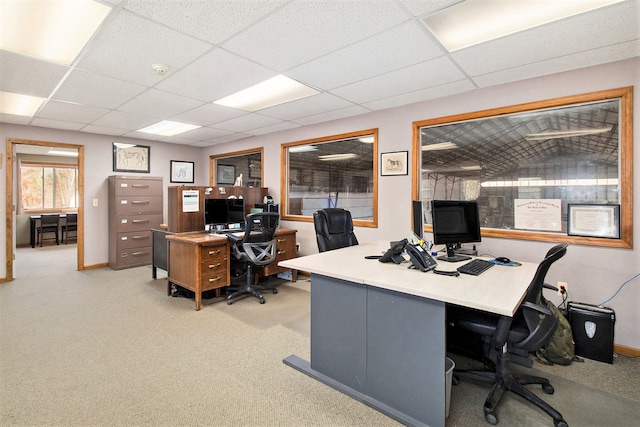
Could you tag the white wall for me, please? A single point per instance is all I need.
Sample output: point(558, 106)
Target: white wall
point(593, 273)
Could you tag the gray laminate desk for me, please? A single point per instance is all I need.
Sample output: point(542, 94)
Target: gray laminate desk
point(378, 330)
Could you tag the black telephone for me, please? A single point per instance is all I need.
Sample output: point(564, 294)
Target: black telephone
point(420, 258)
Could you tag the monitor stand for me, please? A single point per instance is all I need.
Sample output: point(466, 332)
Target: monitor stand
point(452, 256)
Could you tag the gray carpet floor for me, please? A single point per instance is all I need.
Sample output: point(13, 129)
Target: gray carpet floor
point(104, 347)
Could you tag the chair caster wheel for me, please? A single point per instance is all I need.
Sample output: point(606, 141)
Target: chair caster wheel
point(275, 291)
point(455, 380)
point(229, 301)
point(560, 423)
point(491, 418)
point(261, 300)
point(548, 389)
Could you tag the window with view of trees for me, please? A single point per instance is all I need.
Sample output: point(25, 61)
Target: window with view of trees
point(334, 171)
point(48, 187)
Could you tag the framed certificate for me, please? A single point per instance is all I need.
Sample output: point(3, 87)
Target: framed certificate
point(593, 220)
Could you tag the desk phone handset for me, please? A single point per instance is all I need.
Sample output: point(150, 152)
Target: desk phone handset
point(420, 258)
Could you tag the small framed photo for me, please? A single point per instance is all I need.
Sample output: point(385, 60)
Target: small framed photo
point(394, 163)
point(255, 169)
point(226, 174)
point(593, 220)
point(181, 171)
point(130, 157)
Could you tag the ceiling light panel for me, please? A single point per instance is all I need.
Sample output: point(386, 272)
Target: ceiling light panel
point(472, 22)
point(54, 30)
point(274, 91)
point(168, 128)
point(19, 105)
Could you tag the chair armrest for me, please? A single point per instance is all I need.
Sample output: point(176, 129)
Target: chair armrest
point(548, 286)
point(534, 307)
point(233, 237)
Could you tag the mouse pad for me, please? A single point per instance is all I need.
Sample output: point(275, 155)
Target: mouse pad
point(509, 264)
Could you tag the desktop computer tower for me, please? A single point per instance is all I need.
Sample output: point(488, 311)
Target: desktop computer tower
point(267, 207)
point(593, 330)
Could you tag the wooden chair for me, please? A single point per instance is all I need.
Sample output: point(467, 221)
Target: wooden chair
point(49, 223)
point(71, 224)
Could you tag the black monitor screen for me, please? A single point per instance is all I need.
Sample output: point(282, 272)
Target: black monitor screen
point(455, 221)
point(236, 210)
point(216, 211)
point(418, 222)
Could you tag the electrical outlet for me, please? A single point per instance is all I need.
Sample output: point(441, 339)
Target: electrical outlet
point(95, 202)
point(563, 287)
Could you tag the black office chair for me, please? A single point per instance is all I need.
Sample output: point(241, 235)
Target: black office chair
point(49, 223)
point(334, 229)
point(71, 224)
point(256, 248)
point(529, 329)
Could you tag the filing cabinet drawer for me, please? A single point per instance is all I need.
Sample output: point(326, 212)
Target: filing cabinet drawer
point(134, 239)
point(133, 257)
point(128, 223)
point(135, 205)
point(132, 186)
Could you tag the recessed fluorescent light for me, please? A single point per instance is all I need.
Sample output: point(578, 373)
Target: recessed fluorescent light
point(53, 30)
point(367, 139)
point(63, 153)
point(19, 105)
point(330, 157)
point(168, 128)
point(473, 22)
point(275, 91)
point(302, 149)
point(439, 146)
point(566, 133)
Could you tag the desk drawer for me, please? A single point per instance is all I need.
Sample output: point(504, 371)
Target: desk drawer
point(128, 223)
point(213, 253)
point(214, 281)
point(139, 205)
point(134, 239)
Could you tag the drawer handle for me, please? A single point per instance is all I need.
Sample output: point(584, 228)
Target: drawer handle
point(214, 252)
point(139, 237)
point(281, 240)
point(215, 265)
point(140, 253)
point(282, 252)
point(215, 279)
point(140, 202)
point(140, 221)
point(139, 186)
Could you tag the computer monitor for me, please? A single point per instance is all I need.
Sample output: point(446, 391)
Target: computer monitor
point(216, 212)
point(418, 218)
point(236, 211)
point(455, 222)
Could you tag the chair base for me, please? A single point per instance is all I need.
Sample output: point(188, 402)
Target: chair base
point(249, 288)
point(502, 380)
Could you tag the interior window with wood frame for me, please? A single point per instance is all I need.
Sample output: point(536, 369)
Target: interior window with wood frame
point(48, 187)
point(337, 171)
point(530, 165)
point(239, 166)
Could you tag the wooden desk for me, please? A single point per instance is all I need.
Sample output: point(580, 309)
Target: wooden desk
point(33, 219)
point(200, 261)
point(378, 329)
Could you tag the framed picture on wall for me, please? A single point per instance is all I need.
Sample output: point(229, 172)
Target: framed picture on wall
point(593, 220)
point(394, 163)
point(226, 174)
point(130, 157)
point(182, 171)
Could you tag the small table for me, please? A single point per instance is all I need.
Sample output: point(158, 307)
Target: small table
point(33, 219)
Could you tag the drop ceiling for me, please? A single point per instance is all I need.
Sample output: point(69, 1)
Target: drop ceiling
point(363, 56)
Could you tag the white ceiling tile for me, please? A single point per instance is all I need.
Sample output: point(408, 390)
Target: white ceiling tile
point(311, 105)
point(274, 128)
point(86, 88)
point(142, 135)
point(66, 111)
point(56, 124)
point(204, 133)
point(246, 123)
point(304, 30)
point(127, 47)
point(213, 21)
point(422, 7)
point(121, 120)
point(103, 130)
point(215, 75)
point(420, 76)
point(156, 103)
point(208, 114)
point(577, 34)
point(399, 47)
point(421, 95)
point(28, 76)
point(333, 115)
point(229, 138)
point(13, 119)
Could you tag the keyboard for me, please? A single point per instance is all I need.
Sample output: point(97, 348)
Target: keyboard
point(475, 267)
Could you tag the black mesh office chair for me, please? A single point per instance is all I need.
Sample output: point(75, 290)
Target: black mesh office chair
point(334, 229)
point(49, 223)
point(256, 248)
point(71, 224)
point(529, 329)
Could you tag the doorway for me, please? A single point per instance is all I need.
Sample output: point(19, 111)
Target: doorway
point(11, 199)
